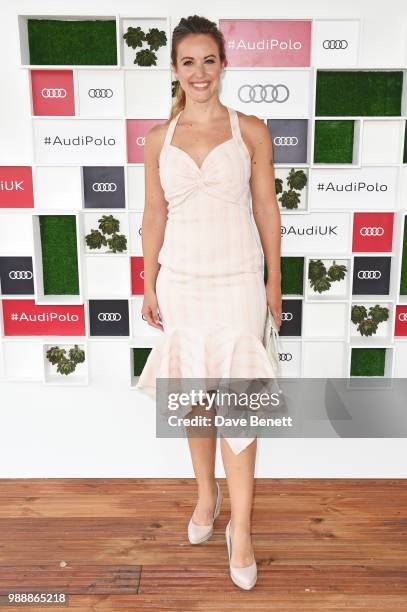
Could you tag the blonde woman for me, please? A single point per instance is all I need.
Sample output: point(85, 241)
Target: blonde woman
point(203, 266)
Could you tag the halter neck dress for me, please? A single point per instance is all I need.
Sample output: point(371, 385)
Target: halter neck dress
point(210, 286)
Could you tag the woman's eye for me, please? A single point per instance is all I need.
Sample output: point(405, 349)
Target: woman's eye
point(189, 61)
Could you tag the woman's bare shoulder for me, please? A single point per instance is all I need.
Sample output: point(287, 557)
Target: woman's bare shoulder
point(156, 135)
point(253, 130)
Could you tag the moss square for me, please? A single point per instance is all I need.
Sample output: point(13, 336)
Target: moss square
point(368, 361)
point(292, 275)
point(359, 93)
point(59, 254)
point(59, 42)
point(334, 142)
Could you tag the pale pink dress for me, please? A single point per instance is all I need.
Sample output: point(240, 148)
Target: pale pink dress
point(210, 287)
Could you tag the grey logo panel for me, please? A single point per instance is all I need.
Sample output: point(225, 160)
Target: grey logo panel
point(290, 140)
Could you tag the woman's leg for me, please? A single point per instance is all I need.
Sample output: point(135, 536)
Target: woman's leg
point(203, 450)
point(239, 471)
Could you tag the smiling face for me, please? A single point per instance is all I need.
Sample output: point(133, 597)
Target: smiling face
point(199, 68)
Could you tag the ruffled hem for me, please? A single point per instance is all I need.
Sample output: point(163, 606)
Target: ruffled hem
point(217, 353)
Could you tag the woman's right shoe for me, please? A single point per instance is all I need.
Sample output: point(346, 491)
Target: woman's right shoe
point(244, 577)
point(200, 533)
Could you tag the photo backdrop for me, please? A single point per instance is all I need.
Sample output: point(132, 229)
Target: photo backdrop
point(71, 265)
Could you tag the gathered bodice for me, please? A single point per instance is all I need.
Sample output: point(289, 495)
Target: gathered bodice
point(209, 227)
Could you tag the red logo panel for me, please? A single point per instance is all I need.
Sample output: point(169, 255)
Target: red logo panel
point(372, 232)
point(137, 275)
point(52, 92)
point(400, 328)
point(26, 318)
point(16, 187)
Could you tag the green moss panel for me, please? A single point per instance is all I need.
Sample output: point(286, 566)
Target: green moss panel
point(59, 254)
point(140, 356)
point(334, 142)
point(88, 42)
point(368, 361)
point(403, 279)
point(292, 275)
point(353, 93)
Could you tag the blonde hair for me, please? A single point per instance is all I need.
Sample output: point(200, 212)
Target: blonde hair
point(193, 24)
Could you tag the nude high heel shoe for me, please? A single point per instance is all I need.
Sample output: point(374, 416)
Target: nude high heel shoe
point(201, 533)
point(244, 577)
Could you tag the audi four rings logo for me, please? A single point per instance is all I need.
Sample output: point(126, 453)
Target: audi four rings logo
point(369, 274)
point(109, 316)
point(20, 274)
point(53, 93)
point(285, 356)
point(285, 141)
point(100, 93)
point(104, 187)
point(335, 44)
point(371, 231)
point(140, 140)
point(402, 316)
point(263, 93)
point(287, 316)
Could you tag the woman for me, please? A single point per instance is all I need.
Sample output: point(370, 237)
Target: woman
point(203, 266)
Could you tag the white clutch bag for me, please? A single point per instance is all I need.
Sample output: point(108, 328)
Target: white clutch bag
point(270, 341)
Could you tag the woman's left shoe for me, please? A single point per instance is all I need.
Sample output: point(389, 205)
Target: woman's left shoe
point(244, 577)
point(200, 533)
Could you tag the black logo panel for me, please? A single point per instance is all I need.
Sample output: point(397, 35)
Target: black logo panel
point(109, 317)
point(103, 187)
point(371, 275)
point(291, 323)
point(16, 276)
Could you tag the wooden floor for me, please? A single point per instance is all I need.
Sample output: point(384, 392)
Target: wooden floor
point(121, 544)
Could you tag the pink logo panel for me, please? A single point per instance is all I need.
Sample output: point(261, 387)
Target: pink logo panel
point(372, 232)
point(52, 92)
point(26, 318)
point(16, 187)
point(137, 130)
point(267, 43)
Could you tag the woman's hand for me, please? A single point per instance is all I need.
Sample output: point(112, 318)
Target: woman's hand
point(273, 292)
point(150, 309)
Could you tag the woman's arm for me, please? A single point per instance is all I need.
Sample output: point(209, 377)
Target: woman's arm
point(154, 221)
point(266, 212)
